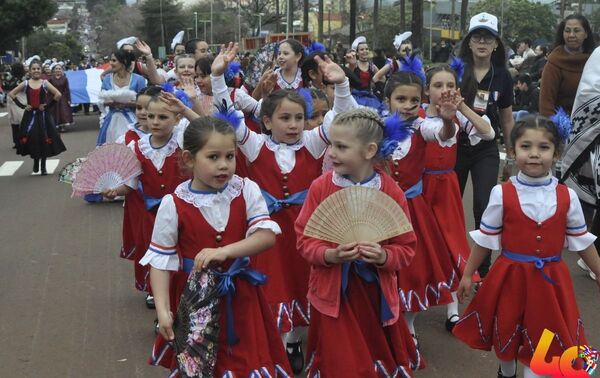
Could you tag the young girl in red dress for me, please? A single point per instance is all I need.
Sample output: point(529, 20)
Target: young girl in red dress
point(284, 160)
point(350, 335)
point(530, 218)
point(214, 220)
point(440, 184)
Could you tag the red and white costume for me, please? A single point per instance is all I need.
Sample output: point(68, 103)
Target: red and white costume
point(440, 185)
point(281, 83)
point(349, 334)
point(188, 221)
point(528, 219)
point(285, 173)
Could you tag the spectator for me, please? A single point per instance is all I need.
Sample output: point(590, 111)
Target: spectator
point(527, 98)
point(541, 57)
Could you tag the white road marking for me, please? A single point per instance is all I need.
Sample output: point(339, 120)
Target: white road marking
point(10, 167)
point(51, 165)
point(3, 115)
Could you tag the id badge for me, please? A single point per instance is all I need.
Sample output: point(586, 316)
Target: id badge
point(481, 101)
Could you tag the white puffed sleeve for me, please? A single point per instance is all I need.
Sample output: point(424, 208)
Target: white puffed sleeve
point(343, 101)
point(578, 237)
point(474, 135)
point(256, 210)
point(162, 253)
point(430, 128)
point(490, 228)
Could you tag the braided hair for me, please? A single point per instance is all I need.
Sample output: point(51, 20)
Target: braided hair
point(367, 124)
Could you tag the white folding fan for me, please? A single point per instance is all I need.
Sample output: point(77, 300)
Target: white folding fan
point(107, 167)
point(356, 214)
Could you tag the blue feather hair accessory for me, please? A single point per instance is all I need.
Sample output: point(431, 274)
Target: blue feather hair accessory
point(232, 69)
point(563, 123)
point(307, 95)
point(413, 64)
point(181, 95)
point(395, 130)
point(228, 114)
point(315, 46)
point(458, 66)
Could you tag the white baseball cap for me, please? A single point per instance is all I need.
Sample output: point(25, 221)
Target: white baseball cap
point(485, 21)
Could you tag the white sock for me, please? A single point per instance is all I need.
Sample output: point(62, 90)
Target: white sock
point(508, 368)
point(410, 321)
point(528, 373)
point(452, 308)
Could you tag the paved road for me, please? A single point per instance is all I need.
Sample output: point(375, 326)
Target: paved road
point(67, 303)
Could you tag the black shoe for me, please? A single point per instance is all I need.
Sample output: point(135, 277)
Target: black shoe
point(295, 356)
point(14, 146)
point(451, 322)
point(500, 375)
point(36, 166)
point(150, 302)
point(44, 172)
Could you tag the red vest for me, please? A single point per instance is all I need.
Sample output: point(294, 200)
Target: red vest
point(409, 170)
point(158, 183)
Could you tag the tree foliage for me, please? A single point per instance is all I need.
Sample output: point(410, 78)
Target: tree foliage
point(112, 24)
point(389, 21)
point(521, 18)
point(18, 18)
point(173, 20)
point(48, 44)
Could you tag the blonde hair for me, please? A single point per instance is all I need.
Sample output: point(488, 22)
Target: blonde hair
point(184, 56)
point(366, 123)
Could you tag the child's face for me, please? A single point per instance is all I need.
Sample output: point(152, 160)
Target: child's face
point(535, 152)
point(440, 82)
point(320, 108)
point(185, 68)
point(35, 71)
point(406, 100)
point(286, 123)
point(348, 154)
point(362, 52)
point(214, 165)
point(203, 82)
point(287, 58)
point(141, 110)
point(161, 120)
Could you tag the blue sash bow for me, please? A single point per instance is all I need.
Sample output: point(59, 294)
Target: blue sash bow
point(362, 270)
point(437, 172)
point(538, 261)
point(149, 202)
point(274, 205)
point(414, 190)
point(127, 113)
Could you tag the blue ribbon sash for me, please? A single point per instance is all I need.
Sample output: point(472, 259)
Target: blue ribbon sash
point(539, 262)
point(274, 205)
point(149, 202)
point(414, 190)
point(437, 172)
point(127, 113)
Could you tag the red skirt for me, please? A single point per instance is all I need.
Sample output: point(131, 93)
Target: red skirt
point(355, 344)
point(259, 350)
point(142, 273)
point(431, 277)
point(287, 284)
point(132, 213)
point(515, 304)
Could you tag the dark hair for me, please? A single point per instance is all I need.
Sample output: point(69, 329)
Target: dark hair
point(204, 65)
point(124, 57)
point(468, 85)
point(401, 78)
point(35, 61)
point(198, 132)
point(536, 122)
point(272, 102)
point(588, 43)
point(544, 49)
point(317, 94)
point(296, 46)
point(525, 79)
point(151, 90)
point(441, 68)
point(309, 64)
point(17, 70)
point(526, 41)
point(190, 46)
point(179, 44)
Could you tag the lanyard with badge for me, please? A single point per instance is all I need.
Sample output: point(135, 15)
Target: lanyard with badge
point(482, 97)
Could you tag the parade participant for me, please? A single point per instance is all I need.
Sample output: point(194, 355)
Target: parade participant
point(284, 159)
point(117, 84)
point(15, 112)
point(216, 219)
point(573, 44)
point(440, 184)
point(359, 61)
point(404, 48)
point(531, 218)
point(287, 75)
point(61, 109)
point(347, 320)
point(313, 77)
point(487, 88)
point(37, 137)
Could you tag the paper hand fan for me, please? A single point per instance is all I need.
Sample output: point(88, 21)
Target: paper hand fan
point(68, 172)
point(107, 167)
point(357, 214)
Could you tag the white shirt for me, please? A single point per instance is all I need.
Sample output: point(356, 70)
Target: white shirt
point(431, 126)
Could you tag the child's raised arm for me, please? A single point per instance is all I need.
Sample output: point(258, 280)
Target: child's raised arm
point(482, 125)
point(177, 107)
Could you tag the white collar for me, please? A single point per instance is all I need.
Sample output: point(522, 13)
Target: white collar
point(201, 199)
point(274, 146)
point(373, 182)
point(523, 182)
point(157, 155)
point(284, 84)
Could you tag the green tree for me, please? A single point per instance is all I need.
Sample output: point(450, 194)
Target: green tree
point(161, 16)
point(49, 44)
point(112, 24)
point(594, 19)
point(521, 18)
point(18, 18)
point(389, 19)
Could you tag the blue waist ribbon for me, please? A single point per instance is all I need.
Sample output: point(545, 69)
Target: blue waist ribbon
point(127, 113)
point(32, 121)
point(414, 190)
point(362, 270)
point(538, 261)
point(226, 287)
point(149, 202)
point(274, 204)
point(438, 172)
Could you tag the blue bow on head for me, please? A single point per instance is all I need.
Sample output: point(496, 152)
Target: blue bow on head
point(274, 205)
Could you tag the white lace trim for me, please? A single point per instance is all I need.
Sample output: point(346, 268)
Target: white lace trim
point(205, 200)
point(284, 84)
point(340, 180)
point(157, 155)
point(274, 146)
point(532, 184)
point(402, 150)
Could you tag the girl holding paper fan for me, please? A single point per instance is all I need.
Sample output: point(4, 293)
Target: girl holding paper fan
point(356, 329)
point(528, 289)
point(440, 183)
point(284, 160)
point(288, 74)
point(211, 225)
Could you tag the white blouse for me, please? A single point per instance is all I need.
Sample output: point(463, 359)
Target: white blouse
point(214, 207)
point(157, 155)
point(538, 201)
point(431, 126)
point(373, 182)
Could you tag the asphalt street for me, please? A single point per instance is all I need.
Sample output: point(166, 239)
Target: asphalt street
point(68, 307)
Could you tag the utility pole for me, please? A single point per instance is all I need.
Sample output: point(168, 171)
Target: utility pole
point(320, 21)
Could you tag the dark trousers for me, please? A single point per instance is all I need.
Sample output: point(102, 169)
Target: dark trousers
point(483, 164)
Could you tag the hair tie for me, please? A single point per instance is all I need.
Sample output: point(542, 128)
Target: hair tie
point(395, 130)
point(228, 114)
point(314, 47)
point(563, 124)
point(413, 64)
point(458, 66)
point(232, 69)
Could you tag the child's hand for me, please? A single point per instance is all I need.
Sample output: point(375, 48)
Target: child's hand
point(110, 193)
point(343, 253)
point(464, 288)
point(372, 253)
point(28, 108)
point(143, 47)
point(267, 82)
point(351, 57)
point(42, 107)
point(332, 72)
point(165, 325)
point(226, 56)
point(173, 103)
point(458, 99)
point(189, 87)
point(209, 255)
point(446, 109)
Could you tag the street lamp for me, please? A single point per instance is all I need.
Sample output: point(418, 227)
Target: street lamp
point(430, 25)
point(196, 23)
